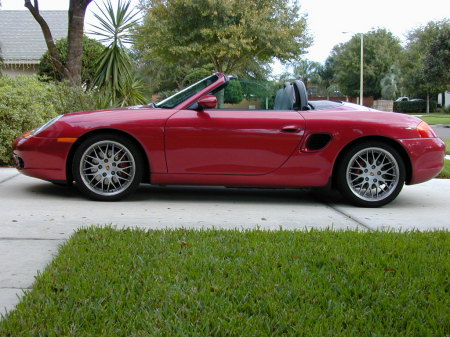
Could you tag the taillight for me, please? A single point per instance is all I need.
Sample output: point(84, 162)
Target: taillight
point(425, 131)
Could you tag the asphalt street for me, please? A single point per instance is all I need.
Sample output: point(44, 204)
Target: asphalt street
point(37, 216)
point(442, 131)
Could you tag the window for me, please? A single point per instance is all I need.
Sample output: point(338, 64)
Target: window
point(246, 94)
point(184, 94)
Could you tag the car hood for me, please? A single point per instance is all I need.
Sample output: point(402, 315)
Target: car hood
point(126, 119)
point(113, 110)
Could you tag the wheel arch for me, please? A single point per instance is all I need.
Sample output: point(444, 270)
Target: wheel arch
point(146, 159)
point(400, 149)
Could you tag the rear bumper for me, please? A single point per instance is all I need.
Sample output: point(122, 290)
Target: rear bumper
point(427, 158)
point(43, 158)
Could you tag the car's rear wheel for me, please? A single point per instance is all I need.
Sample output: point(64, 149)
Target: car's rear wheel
point(371, 174)
point(107, 167)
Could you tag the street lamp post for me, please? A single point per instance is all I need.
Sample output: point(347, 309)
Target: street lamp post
point(361, 69)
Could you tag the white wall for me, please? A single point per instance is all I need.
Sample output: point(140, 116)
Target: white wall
point(16, 70)
point(447, 99)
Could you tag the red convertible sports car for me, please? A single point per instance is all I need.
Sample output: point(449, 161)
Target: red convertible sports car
point(196, 138)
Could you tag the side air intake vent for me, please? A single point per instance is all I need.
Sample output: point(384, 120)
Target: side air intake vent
point(317, 141)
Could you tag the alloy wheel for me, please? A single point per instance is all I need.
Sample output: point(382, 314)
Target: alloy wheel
point(107, 168)
point(372, 174)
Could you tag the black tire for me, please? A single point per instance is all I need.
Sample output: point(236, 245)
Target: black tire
point(371, 174)
point(107, 167)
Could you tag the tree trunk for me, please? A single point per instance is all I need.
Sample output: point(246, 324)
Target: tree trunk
point(428, 103)
point(221, 99)
point(77, 10)
point(52, 51)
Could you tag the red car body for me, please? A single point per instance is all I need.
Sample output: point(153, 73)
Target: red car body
point(264, 148)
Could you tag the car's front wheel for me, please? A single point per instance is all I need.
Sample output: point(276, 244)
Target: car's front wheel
point(107, 167)
point(371, 174)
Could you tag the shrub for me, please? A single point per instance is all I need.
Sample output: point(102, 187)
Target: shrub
point(414, 106)
point(233, 93)
point(445, 110)
point(71, 99)
point(26, 102)
point(92, 49)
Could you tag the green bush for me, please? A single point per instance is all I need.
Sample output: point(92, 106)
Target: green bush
point(414, 106)
point(233, 93)
point(445, 110)
point(92, 49)
point(26, 103)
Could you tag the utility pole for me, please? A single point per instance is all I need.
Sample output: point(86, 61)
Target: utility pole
point(361, 69)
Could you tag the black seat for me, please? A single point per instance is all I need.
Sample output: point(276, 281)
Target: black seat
point(284, 100)
point(302, 102)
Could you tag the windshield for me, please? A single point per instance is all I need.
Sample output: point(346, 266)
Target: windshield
point(174, 100)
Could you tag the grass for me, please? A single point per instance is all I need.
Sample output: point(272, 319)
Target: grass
point(108, 282)
point(445, 173)
point(435, 118)
point(447, 145)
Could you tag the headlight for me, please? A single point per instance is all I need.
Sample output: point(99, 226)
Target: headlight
point(38, 130)
point(46, 125)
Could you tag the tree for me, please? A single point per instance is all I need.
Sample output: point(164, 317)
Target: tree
point(382, 50)
point(233, 93)
point(437, 62)
point(163, 76)
point(307, 71)
point(92, 50)
point(114, 73)
point(1, 58)
point(326, 77)
point(419, 41)
point(71, 71)
point(227, 33)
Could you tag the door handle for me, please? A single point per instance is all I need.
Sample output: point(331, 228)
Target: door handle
point(290, 128)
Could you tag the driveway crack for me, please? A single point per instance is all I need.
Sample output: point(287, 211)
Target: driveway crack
point(359, 222)
point(9, 178)
point(335, 208)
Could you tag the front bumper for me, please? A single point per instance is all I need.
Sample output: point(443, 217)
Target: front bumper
point(41, 157)
point(427, 158)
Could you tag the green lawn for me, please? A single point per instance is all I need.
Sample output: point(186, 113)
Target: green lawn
point(108, 282)
point(447, 145)
point(435, 118)
point(445, 173)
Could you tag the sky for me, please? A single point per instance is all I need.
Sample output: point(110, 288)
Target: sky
point(327, 20)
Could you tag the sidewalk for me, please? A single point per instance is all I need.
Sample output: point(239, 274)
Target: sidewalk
point(37, 216)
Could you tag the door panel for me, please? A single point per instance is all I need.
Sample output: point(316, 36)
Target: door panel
point(231, 141)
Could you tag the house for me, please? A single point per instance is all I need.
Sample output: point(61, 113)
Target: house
point(21, 40)
point(446, 99)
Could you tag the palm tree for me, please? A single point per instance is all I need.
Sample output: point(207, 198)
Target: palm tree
point(115, 77)
point(307, 71)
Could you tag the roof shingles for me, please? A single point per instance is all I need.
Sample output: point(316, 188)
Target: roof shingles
point(21, 38)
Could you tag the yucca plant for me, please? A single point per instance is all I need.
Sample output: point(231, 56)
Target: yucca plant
point(115, 77)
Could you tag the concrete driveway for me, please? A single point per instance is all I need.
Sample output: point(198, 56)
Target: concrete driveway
point(37, 216)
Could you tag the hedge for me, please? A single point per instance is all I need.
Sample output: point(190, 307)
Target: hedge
point(414, 106)
point(26, 102)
